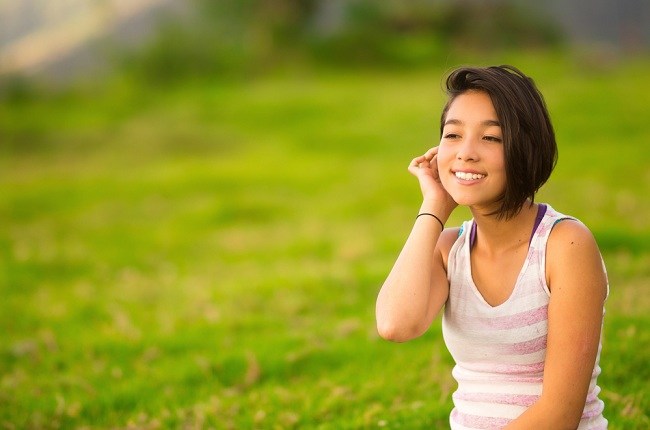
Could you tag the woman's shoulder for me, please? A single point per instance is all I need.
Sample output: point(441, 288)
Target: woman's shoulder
point(572, 250)
point(570, 235)
point(450, 234)
point(567, 229)
point(448, 237)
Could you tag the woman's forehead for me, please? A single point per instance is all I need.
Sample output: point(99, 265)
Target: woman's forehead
point(472, 106)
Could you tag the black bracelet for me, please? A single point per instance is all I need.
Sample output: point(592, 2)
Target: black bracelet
point(437, 219)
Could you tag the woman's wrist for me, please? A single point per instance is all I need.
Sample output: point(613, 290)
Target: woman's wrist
point(428, 214)
point(440, 211)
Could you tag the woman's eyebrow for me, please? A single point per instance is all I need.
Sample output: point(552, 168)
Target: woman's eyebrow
point(453, 122)
point(491, 122)
point(487, 122)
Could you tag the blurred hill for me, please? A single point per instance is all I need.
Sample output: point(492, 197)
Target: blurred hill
point(65, 40)
point(62, 40)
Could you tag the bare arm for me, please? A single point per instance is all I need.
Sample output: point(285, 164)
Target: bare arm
point(416, 287)
point(575, 313)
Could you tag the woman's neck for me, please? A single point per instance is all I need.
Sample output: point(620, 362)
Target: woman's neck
point(499, 235)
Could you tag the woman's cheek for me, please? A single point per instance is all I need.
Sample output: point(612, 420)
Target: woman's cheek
point(443, 157)
point(442, 166)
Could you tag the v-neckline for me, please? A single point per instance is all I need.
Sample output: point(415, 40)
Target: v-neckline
point(541, 212)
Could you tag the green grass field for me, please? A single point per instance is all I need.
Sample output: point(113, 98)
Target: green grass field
point(209, 256)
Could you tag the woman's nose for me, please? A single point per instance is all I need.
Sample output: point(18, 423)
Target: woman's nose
point(467, 150)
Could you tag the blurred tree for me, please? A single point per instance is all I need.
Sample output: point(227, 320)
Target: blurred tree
point(250, 36)
point(382, 31)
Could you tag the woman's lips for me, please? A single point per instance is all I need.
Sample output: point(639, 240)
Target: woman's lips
point(468, 176)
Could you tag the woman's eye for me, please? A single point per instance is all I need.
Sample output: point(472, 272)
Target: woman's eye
point(451, 136)
point(492, 138)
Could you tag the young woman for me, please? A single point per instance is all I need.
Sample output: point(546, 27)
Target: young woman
point(522, 286)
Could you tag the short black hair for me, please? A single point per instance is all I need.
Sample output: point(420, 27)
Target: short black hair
point(530, 148)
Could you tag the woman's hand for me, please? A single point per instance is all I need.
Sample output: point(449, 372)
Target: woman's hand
point(425, 168)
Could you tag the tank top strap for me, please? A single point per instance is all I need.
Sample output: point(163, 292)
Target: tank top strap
point(545, 224)
point(541, 211)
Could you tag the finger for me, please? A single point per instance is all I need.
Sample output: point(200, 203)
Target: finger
point(414, 165)
point(418, 164)
point(431, 153)
point(418, 160)
point(414, 169)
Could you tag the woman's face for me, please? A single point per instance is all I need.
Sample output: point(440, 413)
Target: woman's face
point(471, 160)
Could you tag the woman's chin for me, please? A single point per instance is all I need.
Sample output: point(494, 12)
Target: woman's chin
point(463, 200)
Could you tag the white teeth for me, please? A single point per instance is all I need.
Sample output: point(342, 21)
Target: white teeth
point(468, 176)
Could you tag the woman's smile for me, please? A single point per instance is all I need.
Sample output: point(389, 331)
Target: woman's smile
point(467, 176)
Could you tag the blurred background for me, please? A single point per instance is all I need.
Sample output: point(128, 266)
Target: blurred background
point(74, 39)
point(200, 199)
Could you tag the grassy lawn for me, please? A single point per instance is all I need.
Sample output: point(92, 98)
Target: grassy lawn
point(209, 256)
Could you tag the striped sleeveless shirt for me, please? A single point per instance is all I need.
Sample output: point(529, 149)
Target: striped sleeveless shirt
point(499, 350)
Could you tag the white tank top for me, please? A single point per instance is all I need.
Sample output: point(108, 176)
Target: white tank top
point(500, 350)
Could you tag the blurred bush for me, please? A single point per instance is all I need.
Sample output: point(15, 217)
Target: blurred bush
point(218, 38)
point(17, 89)
point(235, 37)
